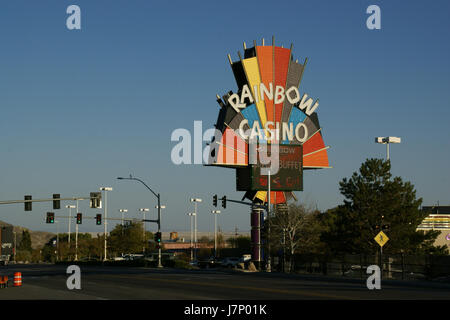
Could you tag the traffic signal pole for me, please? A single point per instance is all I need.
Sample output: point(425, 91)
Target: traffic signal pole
point(76, 237)
point(43, 200)
point(255, 220)
point(159, 229)
point(159, 207)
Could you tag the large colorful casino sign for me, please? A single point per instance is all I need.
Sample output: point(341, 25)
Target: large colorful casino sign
point(270, 108)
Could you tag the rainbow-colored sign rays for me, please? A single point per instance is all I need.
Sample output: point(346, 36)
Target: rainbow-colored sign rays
point(268, 108)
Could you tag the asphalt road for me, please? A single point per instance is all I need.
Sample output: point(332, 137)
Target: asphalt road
point(126, 283)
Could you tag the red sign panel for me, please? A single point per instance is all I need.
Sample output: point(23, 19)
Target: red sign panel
point(288, 160)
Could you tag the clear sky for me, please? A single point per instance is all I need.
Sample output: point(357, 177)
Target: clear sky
point(79, 108)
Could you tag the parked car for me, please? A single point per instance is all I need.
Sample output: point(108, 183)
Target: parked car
point(194, 263)
point(119, 258)
point(211, 262)
point(231, 262)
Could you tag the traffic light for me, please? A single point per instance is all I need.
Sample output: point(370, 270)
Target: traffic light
point(158, 240)
point(385, 227)
point(95, 200)
point(50, 217)
point(98, 219)
point(56, 203)
point(27, 204)
point(215, 200)
point(79, 218)
point(158, 237)
point(224, 202)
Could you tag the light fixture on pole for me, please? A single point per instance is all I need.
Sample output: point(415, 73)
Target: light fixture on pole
point(143, 210)
point(106, 189)
point(387, 141)
point(215, 212)
point(195, 201)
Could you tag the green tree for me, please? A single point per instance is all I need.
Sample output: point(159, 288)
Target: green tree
point(128, 238)
point(373, 199)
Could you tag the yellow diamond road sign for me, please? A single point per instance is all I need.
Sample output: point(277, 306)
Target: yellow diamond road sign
point(381, 238)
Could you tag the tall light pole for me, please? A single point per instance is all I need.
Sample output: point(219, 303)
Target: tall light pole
point(215, 212)
point(159, 207)
point(106, 189)
point(70, 207)
point(191, 215)
point(195, 201)
point(123, 211)
point(143, 210)
point(387, 141)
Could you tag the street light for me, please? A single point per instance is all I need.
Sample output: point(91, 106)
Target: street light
point(143, 210)
point(195, 201)
point(192, 215)
point(123, 211)
point(159, 207)
point(215, 212)
point(70, 207)
point(106, 189)
point(387, 141)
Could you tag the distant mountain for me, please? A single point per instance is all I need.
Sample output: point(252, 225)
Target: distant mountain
point(38, 238)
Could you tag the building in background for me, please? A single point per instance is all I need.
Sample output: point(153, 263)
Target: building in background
point(438, 219)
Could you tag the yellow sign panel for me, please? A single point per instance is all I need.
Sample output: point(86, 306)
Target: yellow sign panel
point(381, 238)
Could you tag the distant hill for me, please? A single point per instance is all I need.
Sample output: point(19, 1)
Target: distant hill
point(38, 238)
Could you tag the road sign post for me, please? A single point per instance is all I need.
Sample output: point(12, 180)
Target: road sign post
point(381, 238)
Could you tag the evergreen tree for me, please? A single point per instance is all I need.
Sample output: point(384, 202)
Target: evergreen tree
point(25, 243)
point(374, 199)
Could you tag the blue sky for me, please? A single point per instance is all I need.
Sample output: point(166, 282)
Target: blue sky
point(82, 107)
